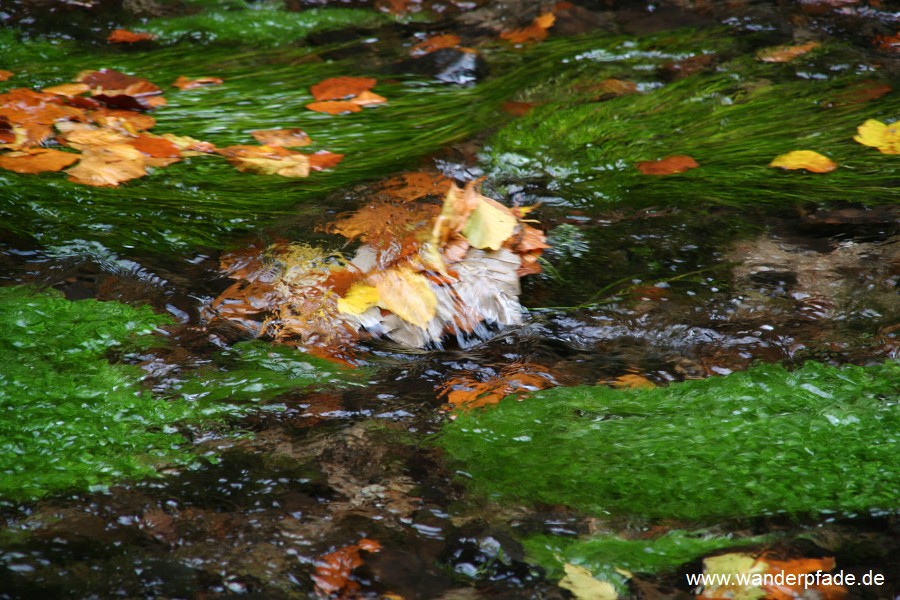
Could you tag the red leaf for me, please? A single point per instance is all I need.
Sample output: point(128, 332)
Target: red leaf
point(678, 163)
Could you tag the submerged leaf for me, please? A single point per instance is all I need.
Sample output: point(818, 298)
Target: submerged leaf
point(4, 74)
point(583, 586)
point(123, 36)
point(804, 159)
point(334, 107)
point(535, 32)
point(879, 135)
point(779, 54)
point(678, 163)
point(338, 88)
point(108, 166)
point(37, 160)
point(435, 42)
point(289, 138)
point(186, 83)
point(267, 160)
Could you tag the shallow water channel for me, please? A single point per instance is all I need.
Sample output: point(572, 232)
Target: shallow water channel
point(746, 316)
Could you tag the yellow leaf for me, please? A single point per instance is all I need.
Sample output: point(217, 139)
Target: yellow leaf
point(732, 564)
point(489, 225)
point(406, 294)
point(358, 299)
point(879, 135)
point(804, 159)
point(583, 586)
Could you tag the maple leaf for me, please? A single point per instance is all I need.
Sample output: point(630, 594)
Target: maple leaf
point(339, 88)
point(186, 83)
point(678, 163)
point(879, 135)
point(780, 54)
point(37, 160)
point(289, 138)
point(435, 42)
point(535, 32)
point(804, 159)
point(4, 74)
point(267, 160)
point(334, 107)
point(123, 36)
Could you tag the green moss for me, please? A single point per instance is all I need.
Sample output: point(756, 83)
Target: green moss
point(603, 554)
point(764, 441)
point(69, 419)
point(733, 120)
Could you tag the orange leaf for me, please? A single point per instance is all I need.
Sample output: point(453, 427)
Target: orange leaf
point(465, 391)
point(338, 88)
point(334, 570)
point(185, 83)
point(860, 92)
point(384, 224)
point(108, 166)
point(632, 381)
point(155, 146)
point(123, 36)
point(37, 160)
point(67, 89)
point(535, 32)
point(368, 98)
point(435, 42)
point(289, 138)
point(111, 82)
point(407, 187)
point(612, 88)
point(517, 109)
point(334, 107)
point(780, 54)
point(888, 43)
point(323, 159)
point(804, 159)
point(267, 160)
point(4, 75)
point(114, 117)
point(678, 163)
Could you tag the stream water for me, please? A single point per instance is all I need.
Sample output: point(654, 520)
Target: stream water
point(692, 279)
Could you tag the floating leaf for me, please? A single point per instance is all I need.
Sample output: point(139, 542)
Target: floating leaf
point(338, 88)
point(879, 135)
point(406, 294)
point(489, 225)
point(517, 109)
point(4, 74)
point(289, 138)
point(335, 569)
point(334, 107)
point(535, 32)
point(37, 160)
point(467, 391)
point(368, 98)
point(127, 119)
point(780, 54)
point(323, 159)
point(267, 160)
point(678, 163)
point(108, 166)
point(67, 89)
point(435, 42)
point(123, 36)
point(113, 83)
point(804, 159)
point(583, 586)
point(186, 83)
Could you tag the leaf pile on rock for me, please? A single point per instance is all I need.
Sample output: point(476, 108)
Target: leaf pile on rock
point(422, 271)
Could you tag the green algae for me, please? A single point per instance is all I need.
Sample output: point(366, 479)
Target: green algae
point(602, 555)
point(766, 441)
point(71, 419)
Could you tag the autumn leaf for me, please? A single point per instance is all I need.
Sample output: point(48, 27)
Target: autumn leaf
point(323, 159)
point(338, 88)
point(335, 569)
point(879, 135)
point(159, 150)
point(407, 187)
point(188, 145)
point(888, 43)
point(267, 160)
point(678, 163)
point(123, 36)
point(108, 166)
point(535, 32)
point(489, 225)
point(435, 42)
point(67, 89)
point(612, 88)
point(37, 160)
point(186, 83)
point(334, 107)
point(631, 381)
point(383, 223)
point(4, 74)
point(289, 138)
point(583, 586)
point(804, 159)
point(766, 577)
point(780, 54)
point(368, 98)
point(859, 92)
point(517, 109)
point(402, 291)
point(119, 90)
point(126, 119)
point(467, 391)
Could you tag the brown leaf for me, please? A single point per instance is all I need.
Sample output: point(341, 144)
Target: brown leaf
point(82, 135)
point(113, 83)
point(4, 74)
point(435, 42)
point(535, 32)
point(112, 117)
point(185, 83)
point(37, 160)
point(678, 163)
point(780, 54)
point(632, 381)
point(407, 187)
point(267, 160)
point(368, 98)
point(860, 92)
point(518, 109)
point(67, 89)
point(385, 224)
point(334, 107)
point(467, 391)
point(155, 146)
point(108, 166)
point(323, 159)
point(335, 569)
point(123, 36)
point(338, 88)
point(612, 88)
point(888, 43)
point(189, 145)
point(289, 138)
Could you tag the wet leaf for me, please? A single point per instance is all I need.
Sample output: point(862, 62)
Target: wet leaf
point(879, 135)
point(267, 160)
point(518, 109)
point(113, 83)
point(489, 225)
point(402, 291)
point(860, 92)
point(108, 166)
point(190, 145)
point(632, 380)
point(323, 159)
point(888, 43)
point(339, 88)
point(368, 98)
point(384, 223)
point(779, 54)
point(123, 36)
point(467, 391)
point(155, 146)
point(186, 83)
point(334, 107)
point(784, 575)
point(535, 32)
point(128, 119)
point(335, 569)
point(289, 138)
point(804, 159)
point(435, 42)
point(4, 74)
point(583, 586)
point(407, 187)
point(678, 163)
point(37, 160)
point(67, 89)
point(613, 88)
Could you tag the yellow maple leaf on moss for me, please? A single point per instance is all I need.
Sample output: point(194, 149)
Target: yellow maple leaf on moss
point(879, 135)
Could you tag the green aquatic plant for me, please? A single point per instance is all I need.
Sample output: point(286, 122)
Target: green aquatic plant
point(71, 419)
point(766, 441)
